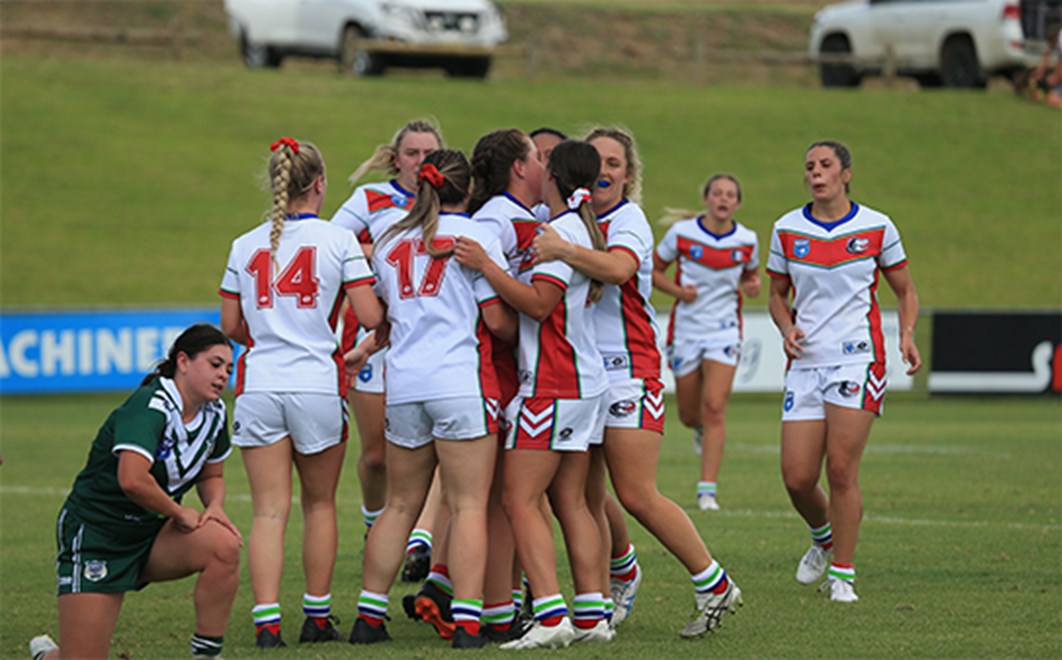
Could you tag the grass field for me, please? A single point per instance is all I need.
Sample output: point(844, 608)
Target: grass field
point(125, 181)
point(958, 557)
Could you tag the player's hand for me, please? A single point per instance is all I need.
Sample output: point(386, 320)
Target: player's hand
point(791, 343)
point(217, 515)
point(549, 245)
point(687, 294)
point(751, 286)
point(470, 253)
point(187, 519)
point(355, 360)
point(911, 357)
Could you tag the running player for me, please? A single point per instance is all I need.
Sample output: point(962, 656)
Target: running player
point(559, 411)
point(281, 295)
point(442, 393)
point(717, 263)
point(368, 212)
point(626, 336)
point(123, 526)
point(828, 254)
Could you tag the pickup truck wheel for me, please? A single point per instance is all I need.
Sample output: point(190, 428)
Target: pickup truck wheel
point(838, 75)
point(257, 56)
point(959, 66)
point(468, 67)
point(356, 60)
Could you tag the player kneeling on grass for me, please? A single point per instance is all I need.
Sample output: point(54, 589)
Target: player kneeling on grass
point(123, 525)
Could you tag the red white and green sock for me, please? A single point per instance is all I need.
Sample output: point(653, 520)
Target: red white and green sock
point(706, 488)
point(844, 572)
point(711, 580)
point(266, 616)
point(372, 607)
point(440, 577)
point(369, 517)
point(466, 613)
point(499, 616)
point(624, 566)
point(317, 608)
point(418, 538)
point(588, 610)
point(550, 610)
point(822, 536)
point(518, 599)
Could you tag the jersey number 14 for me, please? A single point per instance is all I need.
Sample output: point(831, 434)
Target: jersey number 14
point(298, 278)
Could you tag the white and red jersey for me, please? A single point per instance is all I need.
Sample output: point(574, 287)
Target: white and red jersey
point(440, 348)
point(833, 269)
point(291, 304)
point(559, 358)
point(374, 207)
point(714, 264)
point(625, 320)
point(516, 227)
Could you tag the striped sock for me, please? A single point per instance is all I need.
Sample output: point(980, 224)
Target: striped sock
point(206, 645)
point(499, 616)
point(467, 612)
point(822, 536)
point(624, 566)
point(518, 599)
point(372, 607)
point(317, 608)
point(550, 610)
point(705, 488)
point(588, 609)
point(418, 538)
point(267, 615)
point(609, 608)
point(440, 577)
point(712, 579)
point(370, 516)
point(844, 572)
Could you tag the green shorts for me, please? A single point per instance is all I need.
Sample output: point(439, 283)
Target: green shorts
point(91, 560)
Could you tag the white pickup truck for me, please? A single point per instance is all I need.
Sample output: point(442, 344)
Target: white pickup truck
point(367, 36)
point(955, 43)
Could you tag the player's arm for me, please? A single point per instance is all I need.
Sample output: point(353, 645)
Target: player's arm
point(749, 283)
point(782, 315)
point(902, 284)
point(366, 305)
point(536, 300)
point(611, 267)
point(663, 283)
point(501, 321)
point(232, 321)
point(138, 484)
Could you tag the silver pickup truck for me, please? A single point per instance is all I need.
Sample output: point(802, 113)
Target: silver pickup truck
point(368, 36)
point(955, 43)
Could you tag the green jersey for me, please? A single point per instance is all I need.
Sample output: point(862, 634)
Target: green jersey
point(148, 423)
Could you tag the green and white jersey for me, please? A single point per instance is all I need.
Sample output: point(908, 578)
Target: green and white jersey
point(148, 423)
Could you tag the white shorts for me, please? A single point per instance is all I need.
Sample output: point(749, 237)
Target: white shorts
point(556, 424)
point(636, 403)
point(413, 425)
point(314, 421)
point(860, 386)
point(685, 356)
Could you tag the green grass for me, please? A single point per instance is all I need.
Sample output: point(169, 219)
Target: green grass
point(958, 555)
point(125, 181)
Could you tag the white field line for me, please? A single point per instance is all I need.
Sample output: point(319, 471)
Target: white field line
point(917, 450)
point(729, 513)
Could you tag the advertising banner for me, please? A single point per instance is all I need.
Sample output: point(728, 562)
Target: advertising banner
point(88, 351)
point(997, 352)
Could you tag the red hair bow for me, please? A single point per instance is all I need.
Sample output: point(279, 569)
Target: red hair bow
point(291, 142)
point(431, 174)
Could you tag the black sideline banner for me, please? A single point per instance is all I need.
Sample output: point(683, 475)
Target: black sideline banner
point(997, 352)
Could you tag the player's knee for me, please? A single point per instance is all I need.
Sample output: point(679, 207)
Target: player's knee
point(225, 550)
point(374, 462)
point(798, 483)
point(689, 418)
point(841, 475)
point(637, 500)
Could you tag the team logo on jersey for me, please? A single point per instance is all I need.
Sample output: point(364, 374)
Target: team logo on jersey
point(849, 388)
point(696, 252)
point(565, 434)
point(365, 375)
point(857, 245)
point(95, 570)
point(236, 426)
point(801, 247)
point(732, 350)
point(622, 408)
point(787, 405)
point(615, 362)
point(163, 451)
point(525, 376)
point(855, 347)
point(400, 200)
point(676, 363)
point(738, 256)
